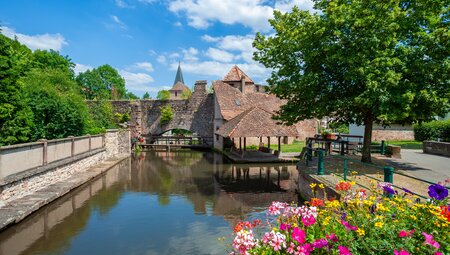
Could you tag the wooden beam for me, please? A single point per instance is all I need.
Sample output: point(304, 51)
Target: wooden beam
point(245, 143)
point(240, 144)
point(268, 142)
point(279, 144)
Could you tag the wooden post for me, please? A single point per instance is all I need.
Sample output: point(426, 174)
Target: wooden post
point(260, 139)
point(240, 144)
point(245, 143)
point(268, 142)
point(279, 145)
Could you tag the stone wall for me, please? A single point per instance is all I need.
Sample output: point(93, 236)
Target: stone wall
point(392, 135)
point(195, 114)
point(439, 148)
point(117, 143)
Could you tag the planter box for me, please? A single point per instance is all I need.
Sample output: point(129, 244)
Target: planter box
point(439, 148)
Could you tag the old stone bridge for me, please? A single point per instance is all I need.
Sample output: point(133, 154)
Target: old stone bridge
point(195, 114)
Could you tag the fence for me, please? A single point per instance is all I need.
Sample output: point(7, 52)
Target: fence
point(21, 157)
point(344, 166)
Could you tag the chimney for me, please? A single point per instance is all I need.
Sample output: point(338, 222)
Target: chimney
point(242, 84)
point(200, 86)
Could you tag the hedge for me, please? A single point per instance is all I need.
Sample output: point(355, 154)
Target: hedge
point(433, 130)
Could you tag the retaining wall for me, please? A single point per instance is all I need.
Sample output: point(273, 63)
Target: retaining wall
point(439, 148)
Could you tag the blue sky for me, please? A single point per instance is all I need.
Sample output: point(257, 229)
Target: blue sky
point(145, 39)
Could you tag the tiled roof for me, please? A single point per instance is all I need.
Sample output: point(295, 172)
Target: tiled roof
point(232, 102)
point(255, 122)
point(236, 74)
point(179, 86)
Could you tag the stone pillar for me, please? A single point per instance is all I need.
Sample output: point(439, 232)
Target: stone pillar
point(44, 151)
point(72, 147)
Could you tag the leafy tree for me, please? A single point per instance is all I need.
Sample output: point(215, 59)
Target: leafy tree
point(186, 94)
point(102, 83)
point(130, 95)
point(166, 114)
point(15, 114)
point(146, 96)
point(163, 95)
point(360, 61)
point(102, 116)
point(59, 109)
point(51, 59)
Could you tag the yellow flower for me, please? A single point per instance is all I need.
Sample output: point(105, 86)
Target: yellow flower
point(354, 172)
point(379, 217)
point(379, 224)
point(321, 186)
point(413, 217)
point(361, 231)
point(312, 185)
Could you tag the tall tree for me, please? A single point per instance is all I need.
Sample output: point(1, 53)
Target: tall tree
point(360, 61)
point(103, 82)
point(15, 114)
point(51, 59)
point(146, 96)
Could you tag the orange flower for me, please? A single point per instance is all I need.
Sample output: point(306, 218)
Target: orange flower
point(316, 202)
point(343, 186)
point(445, 211)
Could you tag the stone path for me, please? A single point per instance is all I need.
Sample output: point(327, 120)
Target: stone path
point(18, 209)
point(433, 168)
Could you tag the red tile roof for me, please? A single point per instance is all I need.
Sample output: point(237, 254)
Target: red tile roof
point(236, 74)
point(179, 86)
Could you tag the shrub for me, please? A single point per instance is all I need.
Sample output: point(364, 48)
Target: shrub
point(362, 222)
point(433, 130)
point(166, 114)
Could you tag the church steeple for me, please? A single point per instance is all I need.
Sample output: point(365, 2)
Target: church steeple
point(179, 76)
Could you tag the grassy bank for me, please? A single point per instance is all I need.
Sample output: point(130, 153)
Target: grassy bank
point(406, 144)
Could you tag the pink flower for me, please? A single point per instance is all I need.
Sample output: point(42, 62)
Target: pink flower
point(320, 243)
point(437, 253)
point(401, 252)
point(348, 226)
point(285, 227)
point(299, 235)
point(308, 220)
point(429, 240)
point(404, 233)
point(304, 249)
point(344, 250)
point(291, 248)
point(332, 237)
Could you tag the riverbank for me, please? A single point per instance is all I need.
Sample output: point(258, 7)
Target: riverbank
point(16, 210)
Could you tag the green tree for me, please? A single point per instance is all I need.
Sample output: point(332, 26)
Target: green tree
point(166, 114)
point(129, 95)
point(146, 96)
point(186, 94)
point(102, 83)
point(51, 59)
point(102, 116)
point(16, 117)
point(163, 95)
point(360, 61)
point(58, 107)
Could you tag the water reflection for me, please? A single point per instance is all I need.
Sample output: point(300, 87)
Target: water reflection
point(157, 203)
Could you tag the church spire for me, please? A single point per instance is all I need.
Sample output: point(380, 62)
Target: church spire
point(179, 76)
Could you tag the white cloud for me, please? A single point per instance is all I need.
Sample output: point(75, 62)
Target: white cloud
point(118, 22)
point(123, 4)
point(220, 55)
point(147, 1)
point(136, 81)
point(161, 59)
point(287, 5)
point(144, 66)
point(42, 41)
point(236, 43)
point(178, 24)
point(251, 13)
point(80, 68)
point(190, 54)
point(202, 13)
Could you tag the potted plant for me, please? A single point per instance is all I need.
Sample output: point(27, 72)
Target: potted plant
point(327, 134)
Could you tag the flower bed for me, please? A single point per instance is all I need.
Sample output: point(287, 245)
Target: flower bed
point(362, 222)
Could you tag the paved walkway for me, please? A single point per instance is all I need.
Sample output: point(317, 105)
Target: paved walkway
point(429, 167)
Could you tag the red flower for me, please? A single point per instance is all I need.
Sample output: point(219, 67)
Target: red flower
point(404, 233)
point(445, 211)
point(343, 186)
point(316, 202)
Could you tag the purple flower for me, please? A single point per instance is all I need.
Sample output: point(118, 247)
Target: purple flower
point(320, 243)
point(389, 190)
point(437, 191)
point(332, 237)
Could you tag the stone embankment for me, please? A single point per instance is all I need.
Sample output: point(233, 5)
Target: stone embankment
point(24, 192)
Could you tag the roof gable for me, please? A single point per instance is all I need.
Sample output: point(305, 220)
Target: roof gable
point(236, 74)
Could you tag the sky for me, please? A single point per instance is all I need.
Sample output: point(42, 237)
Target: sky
point(146, 39)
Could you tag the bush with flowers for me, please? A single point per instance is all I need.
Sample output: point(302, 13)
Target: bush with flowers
point(361, 222)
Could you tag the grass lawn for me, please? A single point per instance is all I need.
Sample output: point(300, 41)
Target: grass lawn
point(296, 146)
point(407, 144)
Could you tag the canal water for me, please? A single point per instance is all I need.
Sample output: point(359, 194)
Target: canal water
point(179, 202)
